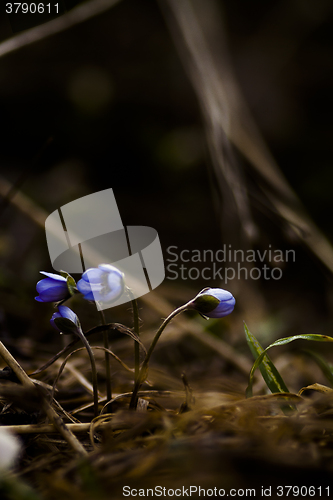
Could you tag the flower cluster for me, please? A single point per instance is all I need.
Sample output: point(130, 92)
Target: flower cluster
point(106, 284)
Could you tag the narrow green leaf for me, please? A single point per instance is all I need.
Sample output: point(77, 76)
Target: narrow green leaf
point(311, 336)
point(270, 374)
point(325, 367)
point(305, 336)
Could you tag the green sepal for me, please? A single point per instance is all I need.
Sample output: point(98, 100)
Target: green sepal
point(205, 303)
point(66, 326)
point(71, 283)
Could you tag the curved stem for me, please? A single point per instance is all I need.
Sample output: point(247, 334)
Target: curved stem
point(93, 369)
point(97, 329)
point(136, 323)
point(144, 368)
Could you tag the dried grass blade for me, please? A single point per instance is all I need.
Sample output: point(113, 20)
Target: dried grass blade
point(50, 412)
point(316, 387)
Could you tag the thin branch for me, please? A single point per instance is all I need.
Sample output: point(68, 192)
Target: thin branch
point(50, 412)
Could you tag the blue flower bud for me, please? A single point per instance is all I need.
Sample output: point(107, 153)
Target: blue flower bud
point(65, 321)
point(52, 289)
point(105, 283)
point(214, 302)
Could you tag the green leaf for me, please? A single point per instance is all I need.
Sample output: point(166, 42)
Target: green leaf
point(270, 374)
point(306, 336)
point(311, 336)
point(326, 367)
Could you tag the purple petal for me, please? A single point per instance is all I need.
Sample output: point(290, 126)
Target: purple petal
point(66, 312)
point(51, 291)
point(111, 295)
point(108, 268)
point(83, 286)
point(87, 289)
point(223, 309)
point(48, 284)
point(92, 275)
point(219, 293)
point(226, 305)
point(54, 316)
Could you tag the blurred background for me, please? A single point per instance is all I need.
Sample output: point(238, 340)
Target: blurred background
point(124, 100)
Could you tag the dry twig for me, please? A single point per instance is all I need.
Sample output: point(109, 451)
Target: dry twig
point(50, 412)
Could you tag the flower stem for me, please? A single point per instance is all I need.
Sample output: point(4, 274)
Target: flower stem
point(107, 360)
point(93, 369)
point(144, 368)
point(136, 345)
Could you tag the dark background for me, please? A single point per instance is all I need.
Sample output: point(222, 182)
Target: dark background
point(113, 100)
point(108, 104)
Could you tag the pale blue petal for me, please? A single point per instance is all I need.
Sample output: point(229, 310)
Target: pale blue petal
point(53, 276)
point(92, 275)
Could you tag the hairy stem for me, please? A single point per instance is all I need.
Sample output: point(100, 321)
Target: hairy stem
point(136, 345)
point(144, 368)
point(107, 360)
point(93, 369)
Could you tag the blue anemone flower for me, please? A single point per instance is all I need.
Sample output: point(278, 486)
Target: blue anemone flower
point(105, 283)
point(65, 320)
point(53, 288)
point(214, 302)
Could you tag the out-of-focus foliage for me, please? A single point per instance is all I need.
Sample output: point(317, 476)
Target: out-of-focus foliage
point(108, 103)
